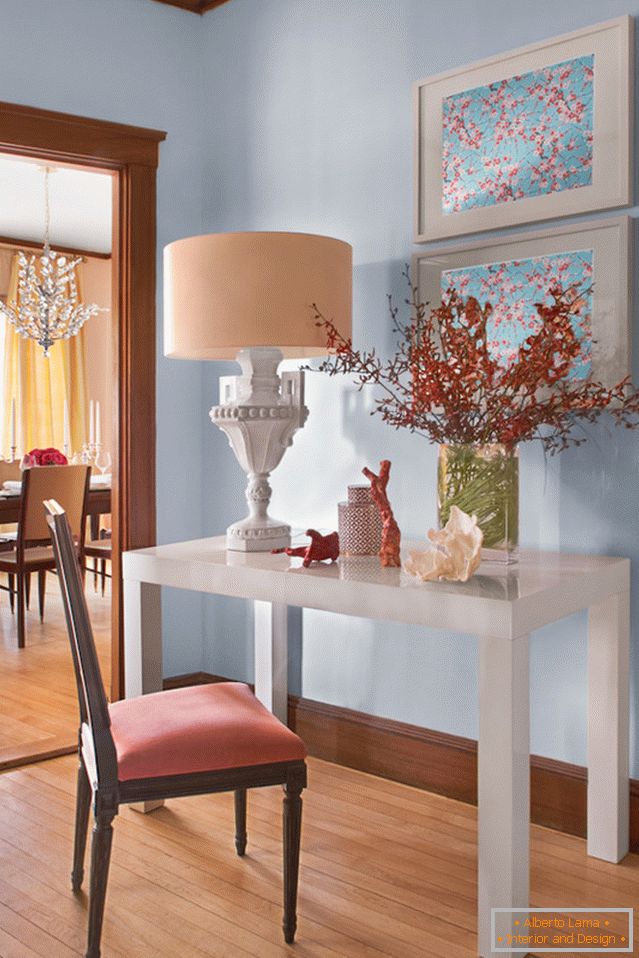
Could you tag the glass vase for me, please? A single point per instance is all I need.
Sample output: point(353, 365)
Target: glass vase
point(483, 481)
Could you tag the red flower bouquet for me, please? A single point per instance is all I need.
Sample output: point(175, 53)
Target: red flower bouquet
point(48, 457)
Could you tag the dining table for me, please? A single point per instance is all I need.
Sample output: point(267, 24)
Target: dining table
point(98, 504)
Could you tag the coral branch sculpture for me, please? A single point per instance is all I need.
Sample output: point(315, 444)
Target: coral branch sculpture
point(457, 551)
point(391, 536)
point(319, 548)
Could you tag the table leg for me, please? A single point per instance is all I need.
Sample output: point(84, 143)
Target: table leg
point(94, 525)
point(143, 631)
point(608, 719)
point(143, 647)
point(504, 781)
point(271, 657)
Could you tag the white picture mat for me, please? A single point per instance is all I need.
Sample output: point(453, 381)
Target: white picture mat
point(612, 45)
point(610, 241)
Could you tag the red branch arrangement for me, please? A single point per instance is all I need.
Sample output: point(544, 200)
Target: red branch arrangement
point(444, 384)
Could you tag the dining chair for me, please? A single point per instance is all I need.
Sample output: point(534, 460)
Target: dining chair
point(32, 551)
point(99, 550)
point(12, 472)
point(189, 741)
point(9, 472)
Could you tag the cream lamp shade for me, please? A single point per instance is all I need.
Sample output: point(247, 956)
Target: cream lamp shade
point(229, 291)
point(249, 297)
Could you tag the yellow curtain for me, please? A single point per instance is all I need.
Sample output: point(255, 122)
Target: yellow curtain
point(40, 385)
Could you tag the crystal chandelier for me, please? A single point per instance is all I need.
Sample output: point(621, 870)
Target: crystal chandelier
point(47, 306)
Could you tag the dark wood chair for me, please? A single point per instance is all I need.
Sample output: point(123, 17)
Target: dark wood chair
point(32, 551)
point(9, 533)
point(192, 741)
point(99, 550)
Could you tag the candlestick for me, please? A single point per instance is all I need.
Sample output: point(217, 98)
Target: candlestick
point(98, 424)
point(13, 426)
point(66, 434)
point(91, 423)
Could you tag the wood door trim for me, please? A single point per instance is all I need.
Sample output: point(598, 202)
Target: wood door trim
point(131, 154)
point(13, 243)
point(29, 131)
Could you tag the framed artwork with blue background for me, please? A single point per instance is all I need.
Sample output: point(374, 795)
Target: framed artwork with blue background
point(536, 133)
point(516, 272)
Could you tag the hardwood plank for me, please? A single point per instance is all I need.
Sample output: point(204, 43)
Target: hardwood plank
point(388, 871)
point(30, 934)
point(12, 948)
point(38, 700)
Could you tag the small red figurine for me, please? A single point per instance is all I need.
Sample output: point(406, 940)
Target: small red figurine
point(320, 547)
point(391, 536)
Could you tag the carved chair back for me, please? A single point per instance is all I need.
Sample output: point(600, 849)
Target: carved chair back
point(98, 748)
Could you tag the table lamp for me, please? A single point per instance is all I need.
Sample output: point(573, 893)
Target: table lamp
point(248, 296)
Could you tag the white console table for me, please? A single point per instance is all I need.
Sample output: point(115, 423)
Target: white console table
point(500, 606)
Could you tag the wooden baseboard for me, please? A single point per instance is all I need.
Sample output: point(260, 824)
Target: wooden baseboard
point(192, 678)
point(434, 761)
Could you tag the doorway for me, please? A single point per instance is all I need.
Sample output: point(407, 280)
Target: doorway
point(130, 155)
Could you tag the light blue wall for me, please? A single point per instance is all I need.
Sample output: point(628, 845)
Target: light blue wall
point(135, 62)
point(308, 125)
point(296, 114)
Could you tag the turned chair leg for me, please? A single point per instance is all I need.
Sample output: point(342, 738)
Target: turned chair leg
point(240, 820)
point(101, 840)
point(42, 588)
point(21, 611)
point(82, 809)
point(11, 580)
point(292, 833)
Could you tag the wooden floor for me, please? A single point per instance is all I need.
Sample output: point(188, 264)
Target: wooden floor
point(386, 871)
point(38, 700)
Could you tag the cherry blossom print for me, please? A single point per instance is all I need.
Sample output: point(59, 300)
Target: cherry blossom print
point(525, 136)
point(515, 289)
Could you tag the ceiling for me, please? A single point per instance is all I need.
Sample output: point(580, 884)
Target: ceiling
point(80, 203)
point(194, 6)
point(80, 200)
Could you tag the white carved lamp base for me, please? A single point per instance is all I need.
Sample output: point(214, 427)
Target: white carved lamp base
point(260, 412)
point(258, 532)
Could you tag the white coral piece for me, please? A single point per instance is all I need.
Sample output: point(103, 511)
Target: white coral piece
point(457, 551)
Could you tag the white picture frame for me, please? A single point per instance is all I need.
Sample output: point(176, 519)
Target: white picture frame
point(610, 241)
point(609, 47)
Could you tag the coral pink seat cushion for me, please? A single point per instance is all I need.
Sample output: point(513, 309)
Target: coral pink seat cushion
point(199, 729)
